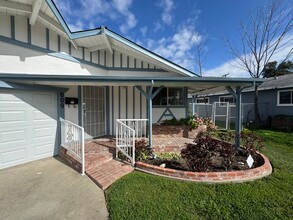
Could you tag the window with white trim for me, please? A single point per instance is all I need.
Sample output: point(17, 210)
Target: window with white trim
point(202, 100)
point(285, 97)
point(169, 96)
point(229, 99)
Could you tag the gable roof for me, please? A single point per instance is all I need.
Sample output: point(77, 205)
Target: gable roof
point(48, 14)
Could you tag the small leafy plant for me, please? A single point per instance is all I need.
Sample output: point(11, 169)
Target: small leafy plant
point(142, 150)
point(193, 121)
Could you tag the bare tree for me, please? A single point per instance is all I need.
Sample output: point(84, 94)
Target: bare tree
point(265, 33)
point(201, 54)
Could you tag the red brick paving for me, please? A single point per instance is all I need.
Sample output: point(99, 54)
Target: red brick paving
point(104, 170)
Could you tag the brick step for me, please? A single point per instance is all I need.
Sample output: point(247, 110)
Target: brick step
point(107, 173)
point(92, 161)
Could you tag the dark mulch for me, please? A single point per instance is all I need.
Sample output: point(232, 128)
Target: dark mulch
point(218, 163)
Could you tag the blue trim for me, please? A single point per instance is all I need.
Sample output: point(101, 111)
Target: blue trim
point(141, 64)
point(112, 110)
point(29, 32)
point(115, 36)
point(20, 86)
point(61, 115)
point(69, 47)
point(105, 58)
point(113, 59)
point(148, 65)
point(167, 112)
point(80, 110)
point(142, 91)
point(47, 39)
point(140, 105)
point(127, 61)
point(126, 101)
point(119, 102)
point(12, 27)
point(121, 60)
point(107, 110)
point(133, 101)
point(134, 62)
point(185, 90)
point(68, 57)
point(99, 58)
point(91, 57)
point(64, 56)
point(59, 43)
point(83, 54)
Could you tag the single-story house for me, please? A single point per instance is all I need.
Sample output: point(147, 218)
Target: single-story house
point(275, 97)
point(90, 79)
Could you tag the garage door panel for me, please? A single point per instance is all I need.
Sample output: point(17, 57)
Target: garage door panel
point(12, 136)
point(12, 116)
point(42, 150)
point(11, 157)
point(44, 132)
point(42, 98)
point(43, 115)
point(28, 126)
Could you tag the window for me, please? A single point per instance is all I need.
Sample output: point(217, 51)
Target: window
point(169, 96)
point(229, 99)
point(203, 100)
point(285, 97)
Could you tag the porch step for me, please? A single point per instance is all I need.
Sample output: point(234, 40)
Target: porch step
point(107, 173)
point(97, 153)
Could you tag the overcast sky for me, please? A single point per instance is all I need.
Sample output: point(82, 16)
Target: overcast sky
point(170, 28)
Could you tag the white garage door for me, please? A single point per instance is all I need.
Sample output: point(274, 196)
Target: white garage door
point(28, 126)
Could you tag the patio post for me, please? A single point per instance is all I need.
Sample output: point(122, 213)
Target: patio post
point(238, 117)
point(150, 114)
point(193, 104)
point(237, 95)
point(149, 96)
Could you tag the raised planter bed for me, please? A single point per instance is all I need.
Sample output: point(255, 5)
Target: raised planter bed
point(210, 177)
point(163, 131)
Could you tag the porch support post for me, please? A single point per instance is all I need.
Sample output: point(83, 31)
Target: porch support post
point(193, 104)
point(149, 96)
point(238, 97)
point(150, 116)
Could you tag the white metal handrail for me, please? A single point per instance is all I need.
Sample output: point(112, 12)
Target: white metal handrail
point(127, 131)
point(125, 141)
point(72, 138)
point(138, 125)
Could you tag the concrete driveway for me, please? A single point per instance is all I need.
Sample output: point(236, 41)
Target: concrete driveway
point(48, 189)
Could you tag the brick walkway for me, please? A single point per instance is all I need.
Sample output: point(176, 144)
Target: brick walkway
point(104, 170)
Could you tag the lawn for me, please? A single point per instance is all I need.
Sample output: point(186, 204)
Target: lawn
point(143, 196)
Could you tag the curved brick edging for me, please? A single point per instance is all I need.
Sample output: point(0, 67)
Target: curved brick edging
point(210, 177)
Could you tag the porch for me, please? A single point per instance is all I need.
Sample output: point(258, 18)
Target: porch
point(100, 163)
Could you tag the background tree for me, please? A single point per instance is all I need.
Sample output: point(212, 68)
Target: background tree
point(200, 54)
point(266, 32)
point(271, 69)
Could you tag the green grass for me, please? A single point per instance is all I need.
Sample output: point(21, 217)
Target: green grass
point(143, 196)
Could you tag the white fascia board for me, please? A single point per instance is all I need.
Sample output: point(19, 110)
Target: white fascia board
point(35, 11)
point(98, 47)
point(15, 6)
point(148, 53)
point(107, 42)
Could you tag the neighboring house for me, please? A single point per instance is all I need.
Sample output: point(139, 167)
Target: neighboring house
point(275, 98)
point(90, 78)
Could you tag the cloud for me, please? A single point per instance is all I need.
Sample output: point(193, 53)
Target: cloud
point(97, 12)
point(143, 30)
point(168, 6)
point(178, 47)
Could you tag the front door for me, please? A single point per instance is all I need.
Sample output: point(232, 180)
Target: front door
point(93, 111)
